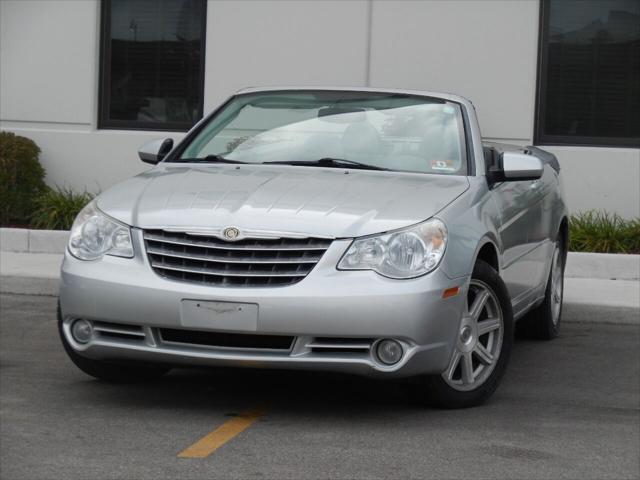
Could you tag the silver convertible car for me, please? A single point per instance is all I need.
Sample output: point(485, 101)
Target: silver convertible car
point(364, 231)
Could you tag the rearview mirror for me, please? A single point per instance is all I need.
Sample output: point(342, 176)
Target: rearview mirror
point(520, 166)
point(155, 150)
point(342, 114)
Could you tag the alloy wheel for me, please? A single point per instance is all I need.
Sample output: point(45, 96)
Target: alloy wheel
point(479, 341)
point(557, 285)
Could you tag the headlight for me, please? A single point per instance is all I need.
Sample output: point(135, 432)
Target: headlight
point(404, 254)
point(93, 235)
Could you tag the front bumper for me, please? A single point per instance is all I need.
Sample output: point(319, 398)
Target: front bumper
point(361, 306)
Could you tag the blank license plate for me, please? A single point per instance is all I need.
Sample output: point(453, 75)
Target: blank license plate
point(207, 315)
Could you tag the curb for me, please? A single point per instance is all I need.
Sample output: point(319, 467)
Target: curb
point(22, 240)
point(600, 314)
point(29, 285)
point(607, 266)
point(30, 273)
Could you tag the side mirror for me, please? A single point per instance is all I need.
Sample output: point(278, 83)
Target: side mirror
point(515, 166)
point(519, 166)
point(155, 150)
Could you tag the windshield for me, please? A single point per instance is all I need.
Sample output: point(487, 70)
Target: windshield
point(335, 128)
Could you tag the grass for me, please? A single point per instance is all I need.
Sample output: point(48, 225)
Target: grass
point(602, 232)
point(57, 208)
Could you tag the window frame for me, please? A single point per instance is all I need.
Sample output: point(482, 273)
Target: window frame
point(104, 94)
point(540, 138)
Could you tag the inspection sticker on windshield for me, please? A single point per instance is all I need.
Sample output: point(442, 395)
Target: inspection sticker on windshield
point(443, 165)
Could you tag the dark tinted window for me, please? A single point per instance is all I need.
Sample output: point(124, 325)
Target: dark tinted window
point(152, 63)
point(589, 86)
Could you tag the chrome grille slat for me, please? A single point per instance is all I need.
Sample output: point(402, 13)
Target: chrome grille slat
point(230, 273)
point(330, 345)
point(210, 243)
point(222, 259)
point(249, 262)
point(132, 330)
point(340, 346)
point(116, 331)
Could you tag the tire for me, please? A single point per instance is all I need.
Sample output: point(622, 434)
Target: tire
point(543, 322)
point(117, 372)
point(460, 386)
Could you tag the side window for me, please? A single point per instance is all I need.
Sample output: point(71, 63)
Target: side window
point(152, 64)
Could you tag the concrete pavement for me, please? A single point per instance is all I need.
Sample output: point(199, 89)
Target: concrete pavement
point(569, 408)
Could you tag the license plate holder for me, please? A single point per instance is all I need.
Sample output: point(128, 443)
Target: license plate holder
point(212, 315)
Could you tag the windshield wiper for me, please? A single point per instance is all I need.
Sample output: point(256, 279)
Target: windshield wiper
point(209, 159)
point(328, 162)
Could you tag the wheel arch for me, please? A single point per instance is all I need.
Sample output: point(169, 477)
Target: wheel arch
point(487, 251)
point(563, 231)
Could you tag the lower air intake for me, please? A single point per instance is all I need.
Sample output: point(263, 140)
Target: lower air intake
point(227, 340)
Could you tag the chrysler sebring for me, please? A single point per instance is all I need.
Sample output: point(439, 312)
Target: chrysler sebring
point(365, 231)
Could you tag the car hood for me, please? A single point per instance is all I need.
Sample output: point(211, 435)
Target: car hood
point(299, 200)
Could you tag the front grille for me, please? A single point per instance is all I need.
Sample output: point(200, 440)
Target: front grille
point(244, 263)
point(229, 340)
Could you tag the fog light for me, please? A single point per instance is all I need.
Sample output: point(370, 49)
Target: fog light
point(389, 351)
point(81, 330)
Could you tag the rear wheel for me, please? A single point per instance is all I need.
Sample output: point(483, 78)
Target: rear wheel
point(121, 372)
point(483, 345)
point(543, 322)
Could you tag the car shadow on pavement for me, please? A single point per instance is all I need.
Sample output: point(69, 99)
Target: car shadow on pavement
point(238, 389)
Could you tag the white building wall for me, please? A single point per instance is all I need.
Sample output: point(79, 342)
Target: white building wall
point(485, 50)
point(46, 59)
point(261, 43)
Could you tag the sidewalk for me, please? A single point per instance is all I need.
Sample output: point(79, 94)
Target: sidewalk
point(30, 273)
point(39, 273)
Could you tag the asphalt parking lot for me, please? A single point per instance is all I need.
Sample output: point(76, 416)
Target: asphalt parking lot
point(566, 409)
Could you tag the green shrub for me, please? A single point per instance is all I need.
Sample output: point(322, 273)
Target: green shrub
point(599, 231)
point(21, 178)
point(57, 208)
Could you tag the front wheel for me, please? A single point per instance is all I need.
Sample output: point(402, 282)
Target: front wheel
point(482, 347)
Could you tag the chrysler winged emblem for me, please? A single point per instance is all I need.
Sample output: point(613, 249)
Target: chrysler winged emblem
point(231, 233)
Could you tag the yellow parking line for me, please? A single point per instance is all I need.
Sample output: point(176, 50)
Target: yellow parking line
point(221, 435)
